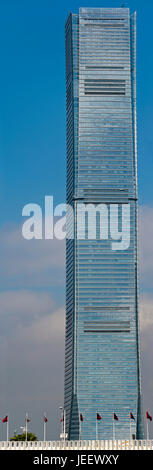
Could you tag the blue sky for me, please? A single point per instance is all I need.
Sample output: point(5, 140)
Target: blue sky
point(33, 164)
point(32, 110)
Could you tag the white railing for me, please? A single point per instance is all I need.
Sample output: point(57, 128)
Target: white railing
point(77, 445)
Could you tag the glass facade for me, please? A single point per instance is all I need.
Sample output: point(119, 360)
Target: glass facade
point(102, 373)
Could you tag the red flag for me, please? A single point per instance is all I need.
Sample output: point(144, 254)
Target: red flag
point(148, 416)
point(45, 419)
point(115, 417)
point(27, 420)
point(132, 417)
point(5, 420)
point(81, 417)
point(98, 417)
point(62, 418)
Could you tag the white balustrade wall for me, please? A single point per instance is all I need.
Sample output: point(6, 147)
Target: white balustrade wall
point(78, 445)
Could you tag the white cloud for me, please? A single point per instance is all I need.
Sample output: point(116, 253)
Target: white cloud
point(146, 311)
point(32, 372)
point(32, 325)
point(47, 330)
point(30, 263)
point(41, 263)
point(23, 307)
point(146, 246)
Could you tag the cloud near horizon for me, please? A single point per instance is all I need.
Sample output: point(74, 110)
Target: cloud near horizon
point(146, 246)
point(33, 318)
point(30, 263)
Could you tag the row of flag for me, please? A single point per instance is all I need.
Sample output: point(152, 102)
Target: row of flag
point(27, 420)
point(98, 417)
point(81, 419)
point(115, 418)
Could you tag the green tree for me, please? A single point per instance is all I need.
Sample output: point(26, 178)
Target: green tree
point(22, 437)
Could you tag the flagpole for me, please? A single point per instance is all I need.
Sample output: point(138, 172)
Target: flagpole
point(26, 427)
point(147, 430)
point(96, 428)
point(113, 429)
point(7, 429)
point(44, 428)
point(64, 423)
point(80, 432)
point(130, 429)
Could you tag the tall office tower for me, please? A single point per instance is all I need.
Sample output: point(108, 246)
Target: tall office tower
point(102, 367)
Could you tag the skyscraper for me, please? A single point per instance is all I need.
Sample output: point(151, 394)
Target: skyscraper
point(102, 364)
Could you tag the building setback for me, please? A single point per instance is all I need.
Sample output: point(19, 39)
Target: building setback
point(102, 366)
